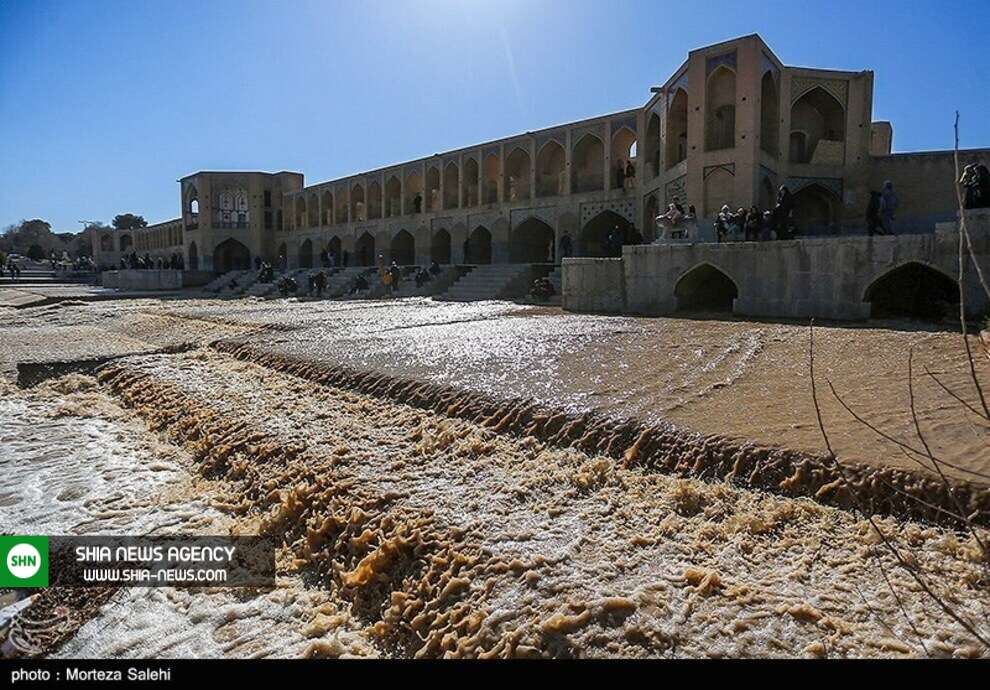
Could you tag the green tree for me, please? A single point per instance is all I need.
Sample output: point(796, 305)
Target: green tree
point(129, 221)
point(36, 252)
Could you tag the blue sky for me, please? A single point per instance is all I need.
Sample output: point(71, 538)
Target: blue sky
point(105, 104)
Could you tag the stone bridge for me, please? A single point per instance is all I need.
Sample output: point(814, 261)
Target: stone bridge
point(843, 278)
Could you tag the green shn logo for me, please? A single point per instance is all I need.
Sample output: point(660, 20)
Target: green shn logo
point(25, 562)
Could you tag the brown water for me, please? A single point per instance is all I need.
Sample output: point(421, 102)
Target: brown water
point(410, 531)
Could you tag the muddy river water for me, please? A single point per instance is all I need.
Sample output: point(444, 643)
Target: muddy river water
point(483, 514)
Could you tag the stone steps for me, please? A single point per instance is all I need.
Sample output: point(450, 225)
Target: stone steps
point(487, 282)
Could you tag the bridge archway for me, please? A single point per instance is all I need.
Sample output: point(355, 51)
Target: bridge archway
point(588, 165)
point(193, 257)
point(705, 288)
point(517, 175)
point(440, 248)
point(335, 246)
point(593, 240)
point(532, 243)
point(550, 168)
point(913, 290)
point(364, 250)
point(231, 255)
point(403, 250)
point(479, 247)
point(306, 254)
point(816, 117)
point(816, 210)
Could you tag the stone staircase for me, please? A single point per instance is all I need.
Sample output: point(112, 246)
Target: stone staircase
point(340, 282)
point(219, 283)
point(490, 281)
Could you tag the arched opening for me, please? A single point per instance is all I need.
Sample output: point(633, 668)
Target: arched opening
point(623, 148)
point(587, 164)
point(650, 212)
point(306, 254)
point(126, 243)
point(594, 239)
point(300, 216)
point(653, 147)
point(532, 243)
point(768, 198)
point(479, 247)
point(769, 114)
point(818, 130)
point(393, 197)
point(433, 189)
point(517, 175)
point(192, 202)
point(193, 262)
point(550, 166)
point(719, 190)
point(335, 246)
point(403, 250)
point(677, 129)
point(374, 200)
point(469, 184)
point(282, 255)
point(491, 179)
point(313, 211)
point(816, 210)
point(231, 255)
point(364, 250)
point(720, 106)
point(328, 207)
point(705, 289)
point(106, 243)
point(342, 206)
point(913, 290)
point(451, 177)
point(357, 203)
point(414, 188)
point(440, 248)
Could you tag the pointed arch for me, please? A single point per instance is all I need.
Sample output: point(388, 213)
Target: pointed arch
point(588, 165)
point(440, 247)
point(414, 188)
point(231, 255)
point(705, 288)
point(550, 170)
point(336, 246)
point(393, 197)
point(515, 184)
point(769, 114)
point(306, 254)
point(720, 109)
point(469, 183)
point(653, 146)
point(533, 242)
point(342, 206)
point(651, 209)
point(479, 246)
point(403, 249)
point(451, 183)
point(818, 130)
point(768, 196)
point(364, 250)
point(624, 147)
point(327, 207)
point(374, 200)
point(357, 203)
point(720, 188)
point(816, 210)
point(593, 240)
point(491, 177)
point(300, 216)
point(912, 290)
point(433, 200)
point(313, 211)
point(677, 128)
point(193, 262)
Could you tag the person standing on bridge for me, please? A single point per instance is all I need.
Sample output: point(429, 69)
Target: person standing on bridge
point(888, 205)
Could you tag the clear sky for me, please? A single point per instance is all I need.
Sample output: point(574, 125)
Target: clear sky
point(105, 104)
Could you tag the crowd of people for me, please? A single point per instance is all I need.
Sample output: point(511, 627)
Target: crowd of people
point(147, 262)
